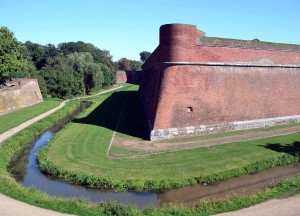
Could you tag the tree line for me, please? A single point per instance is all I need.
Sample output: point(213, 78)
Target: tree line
point(127, 64)
point(63, 71)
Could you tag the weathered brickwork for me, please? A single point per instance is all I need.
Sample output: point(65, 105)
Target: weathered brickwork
point(189, 83)
point(25, 92)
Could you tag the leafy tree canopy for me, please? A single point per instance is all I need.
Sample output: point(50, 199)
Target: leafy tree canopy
point(100, 56)
point(72, 68)
point(128, 65)
point(144, 55)
point(11, 59)
point(136, 65)
point(91, 71)
point(124, 64)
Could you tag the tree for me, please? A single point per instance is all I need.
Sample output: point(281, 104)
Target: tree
point(144, 55)
point(37, 54)
point(124, 64)
point(99, 56)
point(108, 75)
point(11, 59)
point(50, 51)
point(61, 79)
point(72, 68)
point(135, 65)
point(91, 71)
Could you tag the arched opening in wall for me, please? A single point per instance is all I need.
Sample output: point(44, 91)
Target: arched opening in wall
point(189, 109)
point(36, 95)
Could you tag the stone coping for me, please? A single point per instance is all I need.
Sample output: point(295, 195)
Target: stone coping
point(217, 128)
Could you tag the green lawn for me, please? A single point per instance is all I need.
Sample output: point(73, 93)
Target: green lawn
point(10, 187)
point(81, 147)
point(13, 119)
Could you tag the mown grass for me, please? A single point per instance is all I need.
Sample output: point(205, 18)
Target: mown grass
point(15, 118)
point(77, 154)
point(10, 187)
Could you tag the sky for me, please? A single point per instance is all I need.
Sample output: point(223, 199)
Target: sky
point(126, 28)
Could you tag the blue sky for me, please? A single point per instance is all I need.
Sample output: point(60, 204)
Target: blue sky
point(126, 28)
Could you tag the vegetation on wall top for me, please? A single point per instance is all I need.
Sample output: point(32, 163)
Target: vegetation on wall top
point(247, 44)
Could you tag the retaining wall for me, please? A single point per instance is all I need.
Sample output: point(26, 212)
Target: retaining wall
point(24, 92)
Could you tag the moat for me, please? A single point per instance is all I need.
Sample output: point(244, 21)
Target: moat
point(25, 169)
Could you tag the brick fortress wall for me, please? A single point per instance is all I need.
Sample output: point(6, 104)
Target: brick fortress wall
point(195, 84)
point(22, 93)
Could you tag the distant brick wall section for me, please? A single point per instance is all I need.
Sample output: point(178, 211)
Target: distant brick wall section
point(26, 92)
point(134, 77)
point(189, 83)
point(121, 76)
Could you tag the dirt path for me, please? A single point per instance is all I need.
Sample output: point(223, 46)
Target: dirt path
point(15, 130)
point(20, 127)
point(114, 133)
point(275, 207)
point(11, 207)
point(289, 206)
point(158, 147)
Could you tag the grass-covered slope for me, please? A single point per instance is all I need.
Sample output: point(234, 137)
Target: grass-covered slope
point(13, 119)
point(77, 154)
point(10, 187)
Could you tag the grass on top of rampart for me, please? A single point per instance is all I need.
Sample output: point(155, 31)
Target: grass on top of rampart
point(15, 118)
point(78, 154)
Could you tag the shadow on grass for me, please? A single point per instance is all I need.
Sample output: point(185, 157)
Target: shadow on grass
point(292, 149)
point(108, 112)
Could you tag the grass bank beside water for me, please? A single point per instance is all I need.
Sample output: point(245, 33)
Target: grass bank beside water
point(10, 187)
point(77, 153)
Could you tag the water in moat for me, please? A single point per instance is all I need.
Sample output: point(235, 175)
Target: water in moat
point(25, 169)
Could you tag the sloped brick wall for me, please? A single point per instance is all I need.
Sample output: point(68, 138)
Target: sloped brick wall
point(188, 83)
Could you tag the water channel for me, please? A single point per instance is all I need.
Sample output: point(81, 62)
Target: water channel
point(25, 169)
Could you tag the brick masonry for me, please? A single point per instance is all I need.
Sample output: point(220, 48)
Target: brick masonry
point(216, 84)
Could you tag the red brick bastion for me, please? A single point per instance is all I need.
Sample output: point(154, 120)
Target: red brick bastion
point(194, 84)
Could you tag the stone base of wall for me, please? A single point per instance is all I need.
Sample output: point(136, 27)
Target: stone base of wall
point(217, 128)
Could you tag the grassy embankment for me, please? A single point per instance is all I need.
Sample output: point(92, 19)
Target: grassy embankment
point(15, 118)
point(77, 153)
point(11, 188)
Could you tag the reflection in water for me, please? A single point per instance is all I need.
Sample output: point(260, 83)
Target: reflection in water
point(25, 169)
point(188, 195)
point(240, 185)
point(54, 187)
